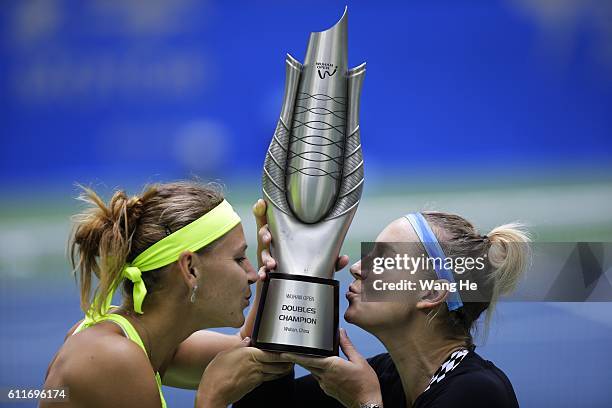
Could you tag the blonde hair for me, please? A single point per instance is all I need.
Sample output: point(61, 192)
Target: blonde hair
point(106, 236)
point(506, 249)
point(508, 255)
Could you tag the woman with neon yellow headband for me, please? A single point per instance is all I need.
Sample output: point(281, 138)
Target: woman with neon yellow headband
point(178, 252)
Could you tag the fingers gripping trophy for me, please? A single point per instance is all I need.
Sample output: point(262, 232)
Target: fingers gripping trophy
point(312, 183)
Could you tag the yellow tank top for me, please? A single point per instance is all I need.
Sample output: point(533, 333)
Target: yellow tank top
point(131, 333)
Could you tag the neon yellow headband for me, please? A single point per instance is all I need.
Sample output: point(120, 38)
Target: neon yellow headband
point(201, 232)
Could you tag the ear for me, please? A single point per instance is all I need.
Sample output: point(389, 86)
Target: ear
point(186, 263)
point(433, 297)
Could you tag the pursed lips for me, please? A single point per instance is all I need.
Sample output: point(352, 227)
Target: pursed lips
point(352, 293)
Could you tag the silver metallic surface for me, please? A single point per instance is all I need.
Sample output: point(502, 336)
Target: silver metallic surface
point(319, 125)
point(313, 171)
point(312, 303)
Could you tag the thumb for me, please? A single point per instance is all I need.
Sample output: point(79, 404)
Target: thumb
point(259, 211)
point(244, 343)
point(348, 348)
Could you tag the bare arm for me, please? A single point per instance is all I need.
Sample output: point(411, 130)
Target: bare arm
point(193, 356)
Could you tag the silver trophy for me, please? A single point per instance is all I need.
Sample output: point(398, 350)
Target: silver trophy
point(312, 183)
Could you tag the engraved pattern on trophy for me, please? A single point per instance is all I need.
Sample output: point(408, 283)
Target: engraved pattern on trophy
point(274, 168)
point(273, 179)
point(316, 153)
point(323, 118)
point(351, 185)
point(352, 178)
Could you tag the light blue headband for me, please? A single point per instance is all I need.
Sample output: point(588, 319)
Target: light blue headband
point(434, 250)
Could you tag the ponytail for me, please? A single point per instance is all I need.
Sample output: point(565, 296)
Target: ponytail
point(509, 256)
point(101, 241)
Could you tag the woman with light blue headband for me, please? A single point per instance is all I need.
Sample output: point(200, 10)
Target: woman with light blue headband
point(431, 359)
point(178, 253)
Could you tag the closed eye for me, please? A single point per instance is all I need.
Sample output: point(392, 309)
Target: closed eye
point(241, 254)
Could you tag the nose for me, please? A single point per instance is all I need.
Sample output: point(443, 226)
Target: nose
point(356, 270)
point(250, 271)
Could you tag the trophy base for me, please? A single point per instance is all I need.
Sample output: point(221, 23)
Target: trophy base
point(298, 314)
point(286, 348)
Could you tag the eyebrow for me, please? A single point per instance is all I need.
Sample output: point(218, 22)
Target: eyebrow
point(382, 248)
point(243, 248)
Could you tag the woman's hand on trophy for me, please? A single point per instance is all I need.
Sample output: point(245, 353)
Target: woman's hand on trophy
point(235, 372)
point(265, 261)
point(261, 220)
point(353, 382)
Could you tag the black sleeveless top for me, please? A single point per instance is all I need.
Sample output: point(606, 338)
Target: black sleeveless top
point(464, 380)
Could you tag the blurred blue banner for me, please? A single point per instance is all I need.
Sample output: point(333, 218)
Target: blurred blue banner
point(171, 88)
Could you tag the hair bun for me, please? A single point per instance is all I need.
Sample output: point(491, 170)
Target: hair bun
point(134, 208)
point(125, 212)
point(509, 255)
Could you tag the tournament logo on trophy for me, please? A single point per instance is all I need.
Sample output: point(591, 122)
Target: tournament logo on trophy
point(312, 183)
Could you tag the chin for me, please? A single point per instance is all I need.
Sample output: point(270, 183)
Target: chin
point(358, 315)
point(351, 315)
point(235, 320)
point(239, 322)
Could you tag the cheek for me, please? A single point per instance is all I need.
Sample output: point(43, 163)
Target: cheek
point(235, 283)
point(223, 282)
point(397, 311)
point(377, 312)
point(240, 278)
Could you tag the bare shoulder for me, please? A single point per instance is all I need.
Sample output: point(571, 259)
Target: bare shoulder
point(72, 329)
point(185, 367)
point(101, 367)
